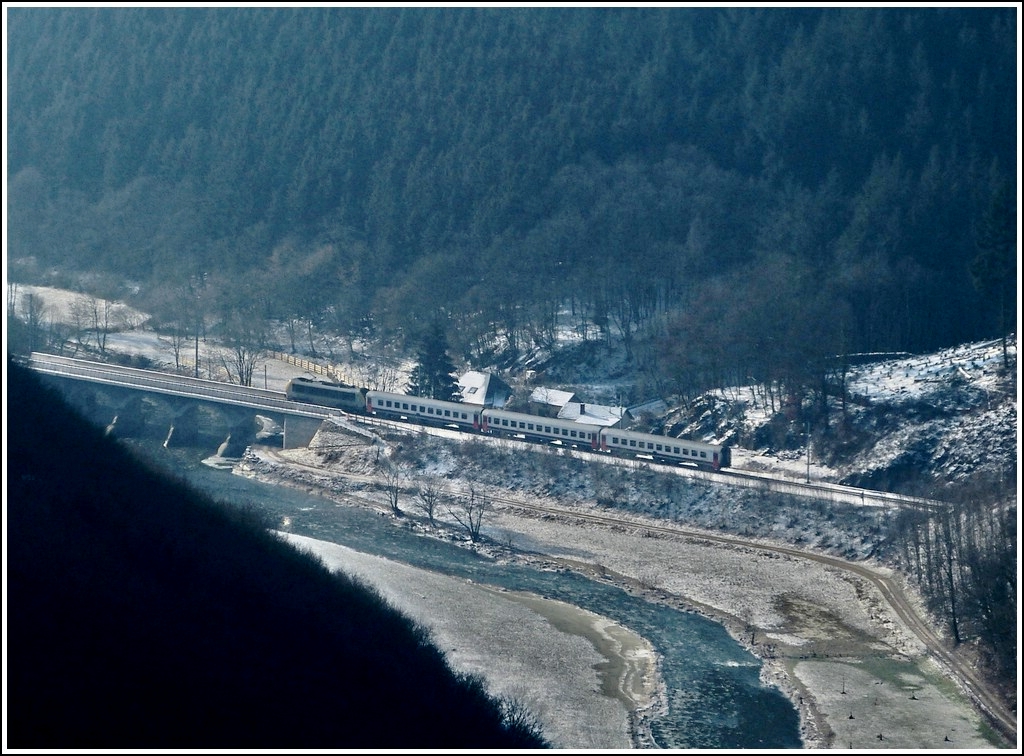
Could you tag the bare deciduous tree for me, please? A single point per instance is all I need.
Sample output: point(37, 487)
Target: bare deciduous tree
point(33, 311)
point(380, 377)
point(177, 339)
point(102, 313)
point(246, 336)
point(392, 478)
point(468, 511)
point(80, 311)
point(428, 494)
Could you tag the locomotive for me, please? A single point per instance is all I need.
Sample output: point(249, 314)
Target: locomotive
point(499, 422)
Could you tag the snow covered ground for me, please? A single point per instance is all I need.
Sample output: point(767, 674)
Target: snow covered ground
point(952, 414)
point(819, 631)
point(542, 652)
point(827, 641)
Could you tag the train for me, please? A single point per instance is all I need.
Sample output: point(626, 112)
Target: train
point(500, 422)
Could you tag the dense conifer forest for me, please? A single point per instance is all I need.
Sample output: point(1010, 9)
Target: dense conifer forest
point(140, 614)
point(731, 192)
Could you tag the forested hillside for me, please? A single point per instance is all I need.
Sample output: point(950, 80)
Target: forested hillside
point(141, 614)
point(732, 193)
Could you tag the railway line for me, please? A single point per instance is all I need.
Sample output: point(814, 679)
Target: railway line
point(1003, 719)
point(276, 401)
point(821, 490)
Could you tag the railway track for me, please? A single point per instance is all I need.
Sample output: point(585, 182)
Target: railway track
point(833, 492)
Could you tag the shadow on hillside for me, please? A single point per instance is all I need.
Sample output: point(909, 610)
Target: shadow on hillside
point(143, 615)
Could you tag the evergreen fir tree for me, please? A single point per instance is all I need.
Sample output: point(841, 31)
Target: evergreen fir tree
point(994, 268)
point(434, 375)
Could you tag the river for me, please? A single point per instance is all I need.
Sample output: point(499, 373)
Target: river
point(714, 695)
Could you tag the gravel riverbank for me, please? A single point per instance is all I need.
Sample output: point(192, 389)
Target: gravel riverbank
point(825, 638)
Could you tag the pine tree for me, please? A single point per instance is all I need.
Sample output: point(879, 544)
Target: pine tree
point(994, 268)
point(434, 375)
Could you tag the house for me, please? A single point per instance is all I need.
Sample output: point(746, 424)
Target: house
point(652, 408)
point(595, 414)
point(549, 402)
point(484, 389)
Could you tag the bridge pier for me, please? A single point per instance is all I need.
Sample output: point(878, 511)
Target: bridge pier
point(130, 419)
point(241, 435)
point(299, 431)
point(184, 429)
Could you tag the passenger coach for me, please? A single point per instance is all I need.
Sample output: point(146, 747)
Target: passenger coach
point(534, 427)
point(420, 409)
point(665, 448)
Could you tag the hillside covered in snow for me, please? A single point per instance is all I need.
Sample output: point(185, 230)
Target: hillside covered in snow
point(915, 424)
point(942, 425)
point(911, 423)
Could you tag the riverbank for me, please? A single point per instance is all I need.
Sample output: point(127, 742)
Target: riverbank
point(584, 677)
point(825, 638)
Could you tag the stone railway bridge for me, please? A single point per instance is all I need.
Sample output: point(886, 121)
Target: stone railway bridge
point(180, 410)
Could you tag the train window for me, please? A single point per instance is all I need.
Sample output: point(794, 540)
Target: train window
point(632, 442)
point(658, 447)
point(565, 432)
point(447, 413)
point(504, 421)
point(675, 449)
point(547, 429)
point(405, 405)
point(529, 426)
point(703, 454)
point(572, 433)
